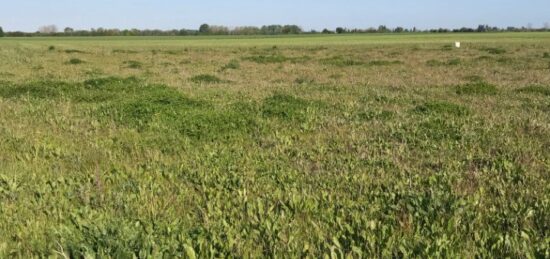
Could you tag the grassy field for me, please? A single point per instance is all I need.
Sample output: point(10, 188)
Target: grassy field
point(317, 146)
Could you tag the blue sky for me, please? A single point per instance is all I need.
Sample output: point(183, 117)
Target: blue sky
point(28, 15)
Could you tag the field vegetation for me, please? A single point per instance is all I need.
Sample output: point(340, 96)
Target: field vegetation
point(303, 147)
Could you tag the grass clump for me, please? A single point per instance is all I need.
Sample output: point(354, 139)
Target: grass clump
point(546, 55)
point(495, 51)
point(150, 102)
point(125, 51)
point(477, 88)
point(75, 61)
point(384, 62)
point(536, 89)
point(436, 63)
point(37, 89)
point(304, 80)
point(341, 61)
point(133, 64)
point(158, 107)
point(233, 64)
point(383, 115)
point(72, 51)
point(51, 48)
point(268, 59)
point(441, 107)
point(206, 79)
point(474, 78)
point(439, 129)
point(447, 47)
point(286, 107)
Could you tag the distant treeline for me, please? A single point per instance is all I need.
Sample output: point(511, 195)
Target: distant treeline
point(205, 29)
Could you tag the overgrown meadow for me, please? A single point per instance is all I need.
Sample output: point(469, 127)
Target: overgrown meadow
point(292, 147)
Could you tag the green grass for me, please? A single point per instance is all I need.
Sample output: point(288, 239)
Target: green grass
point(75, 61)
point(536, 89)
point(206, 79)
point(343, 146)
point(477, 88)
point(133, 64)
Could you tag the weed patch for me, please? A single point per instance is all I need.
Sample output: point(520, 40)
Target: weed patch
point(263, 59)
point(286, 107)
point(474, 78)
point(441, 107)
point(494, 51)
point(233, 64)
point(477, 88)
point(206, 79)
point(125, 51)
point(75, 61)
point(376, 115)
point(341, 61)
point(303, 80)
point(73, 51)
point(436, 63)
point(536, 89)
point(384, 62)
point(439, 129)
point(133, 64)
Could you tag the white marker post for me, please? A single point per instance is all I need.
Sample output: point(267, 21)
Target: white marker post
point(457, 44)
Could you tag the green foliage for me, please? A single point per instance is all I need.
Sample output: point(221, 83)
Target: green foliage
point(477, 88)
point(546, 55)
point(51, 48)
point(206, 79)
point(1, 32)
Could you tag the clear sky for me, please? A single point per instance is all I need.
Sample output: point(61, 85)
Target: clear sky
point(28, 15)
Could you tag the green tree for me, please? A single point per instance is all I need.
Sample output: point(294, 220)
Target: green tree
point(1, 32)
point(340, 30)
point(383, 28)
point(204, 29)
